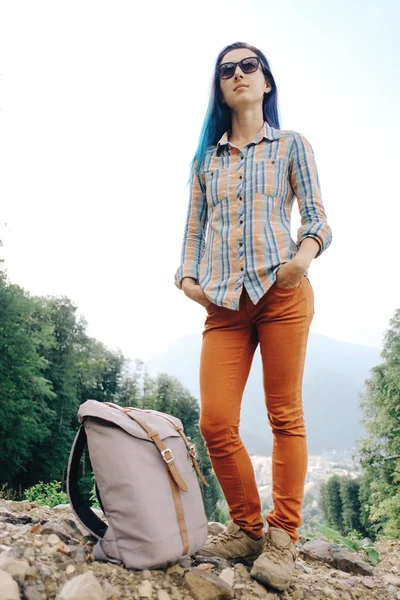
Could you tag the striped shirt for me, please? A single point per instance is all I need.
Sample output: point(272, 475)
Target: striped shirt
point(237, 230)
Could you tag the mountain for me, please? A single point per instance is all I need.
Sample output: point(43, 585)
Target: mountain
point(334, 377)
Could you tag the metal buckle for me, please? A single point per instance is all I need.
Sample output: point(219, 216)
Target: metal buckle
point(167, 460)
point(192, 451)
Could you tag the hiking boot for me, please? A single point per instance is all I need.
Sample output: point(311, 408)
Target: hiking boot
point(276, 564)
point(233, 544)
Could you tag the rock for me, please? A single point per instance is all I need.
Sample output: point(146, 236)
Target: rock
point(228, 576)
point(82, 587)
point(63, 548)
point(78, 554)
point(53, 539)
point(62, 507)
point(32, 593)
point(317, 550)
point(207, 586)
point(175, 571)
point(175, 594)
point(205, 566)
point(163, 595)
point(8, 517)
point(390, 579)
point(20, 507)
point(347, 561)
point(186, 562)
point(70, 569)
point(242, 572)
point(145, 590)
point(61, 530)
point(16, 567)
point(8, 587)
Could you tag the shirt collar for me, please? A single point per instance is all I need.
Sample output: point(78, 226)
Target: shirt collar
point(268, 132)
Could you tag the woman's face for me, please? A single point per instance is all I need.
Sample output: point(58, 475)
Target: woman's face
point(243, 90)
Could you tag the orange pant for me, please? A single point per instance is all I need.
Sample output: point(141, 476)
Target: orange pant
point(280, 324)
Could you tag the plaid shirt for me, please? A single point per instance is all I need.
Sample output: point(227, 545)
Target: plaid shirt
point(237, 229)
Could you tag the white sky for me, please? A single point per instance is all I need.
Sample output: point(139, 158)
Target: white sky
point(101, 107)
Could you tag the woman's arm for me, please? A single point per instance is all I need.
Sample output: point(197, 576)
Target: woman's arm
point(305, 184)
point(195, 231)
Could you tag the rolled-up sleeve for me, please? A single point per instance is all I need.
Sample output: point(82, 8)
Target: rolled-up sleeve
point(306, 186)
point(194, 236)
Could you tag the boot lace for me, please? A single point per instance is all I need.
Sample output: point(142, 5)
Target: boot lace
point(224, 537)
point(275, 552)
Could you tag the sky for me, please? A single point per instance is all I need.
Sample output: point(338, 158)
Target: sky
point(101, 105)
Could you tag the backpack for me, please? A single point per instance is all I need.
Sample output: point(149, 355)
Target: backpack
point(146, 479)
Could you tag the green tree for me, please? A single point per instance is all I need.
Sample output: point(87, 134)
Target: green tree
point(332, 505)
point(380, 450)
point(349, 494)
point(25, 391)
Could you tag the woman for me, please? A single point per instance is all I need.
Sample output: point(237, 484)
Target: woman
point(240, 263)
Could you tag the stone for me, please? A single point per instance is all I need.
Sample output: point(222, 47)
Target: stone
point(347, 561)
point(163, 595)
point(16, 519)
point(8, 587)
point(175, 571)
point(53, 539)
point(207, 586)
point(390, 579)
point(32, 593)
point(186, 562)
point(242, 572)
point(145, 590)
point(317, 550)
point(228, 576)
point(146, 574)
point(70, 569)
point(205, 566)
point(175, 593)
point(62, 507)
point(82, 587)
point(16, 567)
point(62, 531)
point(63, 548)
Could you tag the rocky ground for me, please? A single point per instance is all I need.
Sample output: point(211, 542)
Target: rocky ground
point(46, 555)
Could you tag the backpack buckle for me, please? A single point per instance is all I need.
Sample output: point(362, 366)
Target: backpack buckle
point(163, 453)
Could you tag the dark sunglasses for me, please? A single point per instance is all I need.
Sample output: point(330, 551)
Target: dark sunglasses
point(248, 65)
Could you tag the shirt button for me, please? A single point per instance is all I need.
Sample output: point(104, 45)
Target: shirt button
point(241, 158)
point(240, 198)
point(272, 162)
point(240, 222)
point(241, 177)
point(241, 268)
point(240, 243)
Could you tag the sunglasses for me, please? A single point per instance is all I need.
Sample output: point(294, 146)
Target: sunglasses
point(247, 65)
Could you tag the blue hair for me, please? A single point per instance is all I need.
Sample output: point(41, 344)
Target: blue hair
point(218, 117)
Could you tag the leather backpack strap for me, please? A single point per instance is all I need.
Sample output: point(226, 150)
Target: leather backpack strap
point(192, 451)
point(154, 436)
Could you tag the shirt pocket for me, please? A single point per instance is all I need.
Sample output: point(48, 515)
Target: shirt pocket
point(271, 176)
point(216, 186)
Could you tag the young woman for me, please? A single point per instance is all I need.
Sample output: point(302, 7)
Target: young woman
point(240, 262)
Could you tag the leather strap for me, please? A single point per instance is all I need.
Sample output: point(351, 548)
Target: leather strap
point(164, 450)
point(192, 451)
point(180, 515)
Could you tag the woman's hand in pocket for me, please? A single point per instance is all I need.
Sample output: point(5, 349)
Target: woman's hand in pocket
point(193, 291)
point(290, 274)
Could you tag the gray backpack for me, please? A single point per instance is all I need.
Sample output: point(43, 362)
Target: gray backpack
point(146, 476)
